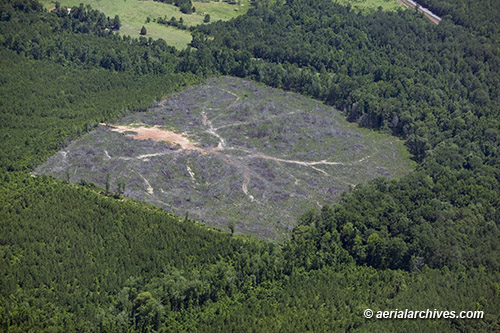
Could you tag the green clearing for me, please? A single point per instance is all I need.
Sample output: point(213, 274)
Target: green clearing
point(133, 15)
point(367, 6)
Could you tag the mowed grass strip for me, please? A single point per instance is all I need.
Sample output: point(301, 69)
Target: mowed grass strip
point(133, 15)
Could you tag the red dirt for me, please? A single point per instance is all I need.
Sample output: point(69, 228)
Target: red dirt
point(155, 133)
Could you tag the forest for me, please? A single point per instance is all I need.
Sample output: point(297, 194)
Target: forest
point(483, 21)
point(76, 259)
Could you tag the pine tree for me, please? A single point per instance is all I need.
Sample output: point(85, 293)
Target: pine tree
point(108, 185)
point(116, 23)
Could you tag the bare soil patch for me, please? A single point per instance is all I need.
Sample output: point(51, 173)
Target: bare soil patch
point(154, 133)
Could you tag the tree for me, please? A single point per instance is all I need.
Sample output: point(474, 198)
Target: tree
point(108, 185)
point(116, 23)
point(207, 18)
point(120, 188)
point(186, 8)
point(143, 31)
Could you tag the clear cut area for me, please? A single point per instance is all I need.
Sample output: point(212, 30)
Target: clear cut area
point(233, 152)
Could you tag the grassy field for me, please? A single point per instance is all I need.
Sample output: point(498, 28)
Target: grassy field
point(262, 158)
point(133, 15)
point(366, 6)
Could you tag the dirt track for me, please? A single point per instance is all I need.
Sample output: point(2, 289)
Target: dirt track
point(156, 133)
point(432, 17)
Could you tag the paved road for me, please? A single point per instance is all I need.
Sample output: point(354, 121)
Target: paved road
point(430, 15)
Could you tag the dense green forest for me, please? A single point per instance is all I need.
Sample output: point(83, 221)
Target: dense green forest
point(73, 258)
point(437, 87)
point(480, 17)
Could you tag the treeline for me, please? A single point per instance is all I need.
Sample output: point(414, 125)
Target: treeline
point(69, 253)
point(385, 70)
point(59, 80)
point(172, 22)
point(82, 38)
point(84, 19)
point(76, 260)
point(185, 6)
point(46, 104)
point(437, 87)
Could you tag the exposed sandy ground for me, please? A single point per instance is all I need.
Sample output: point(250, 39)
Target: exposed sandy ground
point(155, 133)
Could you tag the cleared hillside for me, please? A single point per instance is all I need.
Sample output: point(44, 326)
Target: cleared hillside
point(231, 152)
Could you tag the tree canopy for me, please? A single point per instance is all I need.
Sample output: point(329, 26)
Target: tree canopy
point(74, 258)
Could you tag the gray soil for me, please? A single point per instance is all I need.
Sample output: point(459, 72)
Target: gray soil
point(232, 151)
